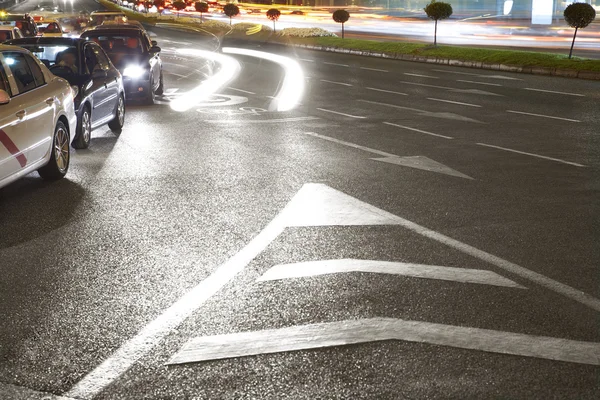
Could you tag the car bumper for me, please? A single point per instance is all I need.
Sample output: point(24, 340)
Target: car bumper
point(136, 88)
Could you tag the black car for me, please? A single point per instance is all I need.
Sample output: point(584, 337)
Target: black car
point(24, 22)
point(100, 97)
point(135, 55)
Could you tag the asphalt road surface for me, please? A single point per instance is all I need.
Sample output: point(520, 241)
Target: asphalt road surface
point(408, 231)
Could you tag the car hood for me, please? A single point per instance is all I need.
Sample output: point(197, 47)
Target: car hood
point(123, 60)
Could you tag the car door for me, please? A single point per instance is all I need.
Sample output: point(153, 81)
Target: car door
point(103, 84)
point(112, 78)
point(155, 63)
point(36, 103)
point(13, 142)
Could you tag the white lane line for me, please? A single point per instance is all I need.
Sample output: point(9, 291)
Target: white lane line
point(336, 83)
point(122, 359)
point(356, 146)
point(543, 116)
point(306, 60)
point(418, 130)
point(173, 73)
point(456, 72)
point(553, 91)
point(240, 90)
point(386, 91)
point(374, 69)
point(454, 102)
point(479, 83)
point(340, 333)
point(336, 64)
point(260, 121)
point(532, 154)
point(422, 76)
point(8, 391)
point(426, 85)
point(339, 113)
point(326, 267)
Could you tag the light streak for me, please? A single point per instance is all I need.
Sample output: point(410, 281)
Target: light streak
point(292, 87)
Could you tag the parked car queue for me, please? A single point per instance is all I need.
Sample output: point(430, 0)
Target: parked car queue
point(55, 90)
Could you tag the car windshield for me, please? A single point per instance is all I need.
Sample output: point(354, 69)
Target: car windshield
point(99, 19)
point(118, 43)
point(62, 60)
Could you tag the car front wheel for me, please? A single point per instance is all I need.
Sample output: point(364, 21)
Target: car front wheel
point(60, 154)
point(119, 120)
point(84, 130)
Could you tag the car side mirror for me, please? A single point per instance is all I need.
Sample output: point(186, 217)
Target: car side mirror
point(99, 73)
point(4, 97)
point(154, 43)
point(154, 49)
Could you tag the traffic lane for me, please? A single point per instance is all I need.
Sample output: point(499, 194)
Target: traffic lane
point(161, 206)
point(247, 305)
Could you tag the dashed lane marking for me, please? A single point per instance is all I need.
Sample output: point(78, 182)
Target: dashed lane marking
point(340, 113)
point(261, 121)
point(336, 83)
point(553, 91)
point(386, 91)
point(374, 69)
point(336, 64)
point(421, 76)
point(454, 102)
point(479, 83)
point(418, 130)
point(425, 113)
point(306, 60)
point(240, 90)
point(340, 333)
point(542, 116)
point(532, 154)
point(326, 267)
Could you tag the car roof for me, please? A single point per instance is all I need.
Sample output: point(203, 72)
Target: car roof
point(113, 28)
point(6, 47)
point(15, 17)
point(106, 12)
point(64, 41)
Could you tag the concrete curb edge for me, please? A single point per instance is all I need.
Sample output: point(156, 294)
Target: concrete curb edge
point(565, 73)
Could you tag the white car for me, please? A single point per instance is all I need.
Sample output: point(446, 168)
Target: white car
point(37, 118)
point(8, 32)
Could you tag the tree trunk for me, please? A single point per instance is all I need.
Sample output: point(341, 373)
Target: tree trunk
point(201, 20)
point(435, 34)
point(273, 26)
point(229, 21)
point(342, 30)
point(573, 42)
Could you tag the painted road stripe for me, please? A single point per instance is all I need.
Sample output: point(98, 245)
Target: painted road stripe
point(342, 333)
point(426, 85)
point(552, 91)
point(339, 113)
point(418, 130)
point(455, 72)
point(336, 83)
point(374, 69)
point(425, 113)
point(422, 76)
point(13, 392)
point(261, 121)
point(325, 267)
point(305, 59)
point(532, 154)
point(544, 116)
point(240, 90)
point(422, 163)
point(454, 102)
point(12, 148)
point(386, 91)
point(356, 146)
point(336, 64)
point(479, 83)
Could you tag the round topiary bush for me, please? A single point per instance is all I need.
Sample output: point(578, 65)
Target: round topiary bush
point(437, 10)
point(341, 16)
point(578, 15)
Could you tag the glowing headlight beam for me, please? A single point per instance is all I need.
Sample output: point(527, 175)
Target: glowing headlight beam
point(229, 70)
point(292, 88)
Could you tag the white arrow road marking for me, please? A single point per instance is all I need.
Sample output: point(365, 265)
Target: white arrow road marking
point(325, 267)
point(424, 163)
point(18, 392)
point(425, 113)
point(377, 329)
point(315, 204)
point(419, 162)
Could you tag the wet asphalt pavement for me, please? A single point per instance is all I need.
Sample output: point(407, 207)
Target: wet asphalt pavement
point(506, 165)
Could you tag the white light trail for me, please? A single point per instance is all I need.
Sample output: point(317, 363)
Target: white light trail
point(229, 70)
point(292, 87)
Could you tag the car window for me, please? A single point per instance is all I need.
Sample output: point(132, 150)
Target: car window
point(38, 75)
point(101, 56)
point(91, 61)
point(18, 65)
point(4, 83)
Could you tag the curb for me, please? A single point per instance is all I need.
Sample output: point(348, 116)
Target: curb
point(565, 73)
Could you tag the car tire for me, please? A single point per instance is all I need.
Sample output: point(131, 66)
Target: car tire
point(84, 129)
point(116, 124)
point(161, 85)
point(60, 154)
point(149, 100)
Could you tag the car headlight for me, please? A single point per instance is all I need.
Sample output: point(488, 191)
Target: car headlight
point(134, 71)
point(75, 90)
